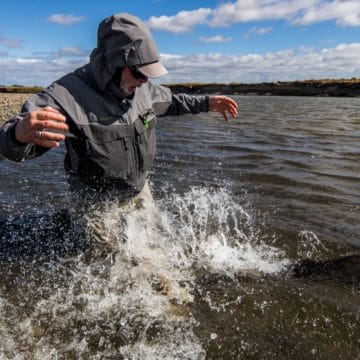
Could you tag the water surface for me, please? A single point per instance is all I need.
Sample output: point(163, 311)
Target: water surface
point(250, 249)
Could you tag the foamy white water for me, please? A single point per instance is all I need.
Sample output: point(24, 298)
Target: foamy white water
point(140, 294)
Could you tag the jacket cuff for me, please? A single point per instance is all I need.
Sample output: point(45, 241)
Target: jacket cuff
point(13, 137)
point(10, 148)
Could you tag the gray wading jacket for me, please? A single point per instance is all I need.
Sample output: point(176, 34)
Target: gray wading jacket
point(113, 142)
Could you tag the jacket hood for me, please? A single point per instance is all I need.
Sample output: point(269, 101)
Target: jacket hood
point(123, 40)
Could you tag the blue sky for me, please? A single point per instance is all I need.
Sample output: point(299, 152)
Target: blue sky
point(199, 41)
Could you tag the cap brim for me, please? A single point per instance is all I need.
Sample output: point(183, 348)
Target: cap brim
point(153, 70)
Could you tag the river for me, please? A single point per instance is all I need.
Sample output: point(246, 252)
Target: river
point(250, 249)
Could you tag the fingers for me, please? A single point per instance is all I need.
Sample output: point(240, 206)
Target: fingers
point(48, 135)
point(47, 139)
point(223, 105)
point(232, 109)
point(231, 106)
point(49, 108)
point(48, 113)
point(49, 125)
point(225, 116)
point(42, 127)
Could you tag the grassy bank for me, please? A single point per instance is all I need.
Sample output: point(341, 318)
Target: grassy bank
point(324, 87)
point(18, 89)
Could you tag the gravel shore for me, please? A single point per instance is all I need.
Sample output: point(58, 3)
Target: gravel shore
point(10, 105)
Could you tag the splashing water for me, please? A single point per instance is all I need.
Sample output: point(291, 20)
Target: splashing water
point(219, 233)
point(135, 302)
point(310, 246)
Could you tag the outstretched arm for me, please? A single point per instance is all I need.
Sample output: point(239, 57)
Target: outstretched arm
point(165, 103)
point(223, 105)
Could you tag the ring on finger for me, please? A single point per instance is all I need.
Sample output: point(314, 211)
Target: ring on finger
point(39, 134)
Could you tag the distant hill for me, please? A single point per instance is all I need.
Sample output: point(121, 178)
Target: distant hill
point(325, 87)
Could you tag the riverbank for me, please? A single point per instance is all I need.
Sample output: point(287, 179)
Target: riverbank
point(339, 88)
point(10, 105)
point(326, 87)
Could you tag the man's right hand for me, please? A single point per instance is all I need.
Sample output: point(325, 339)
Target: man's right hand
point(38, 127)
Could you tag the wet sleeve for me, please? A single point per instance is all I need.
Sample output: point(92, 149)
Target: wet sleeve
point(12, 149)
point(165, 103)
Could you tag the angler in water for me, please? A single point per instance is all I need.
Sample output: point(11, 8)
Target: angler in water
point(106, 111)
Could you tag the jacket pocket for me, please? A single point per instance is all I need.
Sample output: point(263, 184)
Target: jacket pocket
point(108, 150)
point(145, 143)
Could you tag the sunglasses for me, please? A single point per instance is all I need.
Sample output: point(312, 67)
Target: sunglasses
point(137, 74)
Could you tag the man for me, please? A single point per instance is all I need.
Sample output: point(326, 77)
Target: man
point(106, 112)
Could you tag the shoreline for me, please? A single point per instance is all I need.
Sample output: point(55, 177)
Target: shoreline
point(325, 87)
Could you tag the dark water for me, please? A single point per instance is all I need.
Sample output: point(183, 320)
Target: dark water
point(250, 251)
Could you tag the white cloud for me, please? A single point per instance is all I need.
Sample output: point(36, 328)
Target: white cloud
point(181, 22)
point(71, 52)
point(40, 69)
point(27, 61)
point(257, 31)
point(261, 31)
point(10, 43)
point(63, 19)
point(301, 12)
point(257, 10)
point(341, 61)
point(344, 12)
point(167, 57)
point(215, 39)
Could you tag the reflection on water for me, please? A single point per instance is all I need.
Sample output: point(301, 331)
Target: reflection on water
point(250, 248)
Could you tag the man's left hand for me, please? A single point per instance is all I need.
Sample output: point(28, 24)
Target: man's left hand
point(223, 105)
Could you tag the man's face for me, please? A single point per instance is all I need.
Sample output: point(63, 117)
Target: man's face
point(128, 82)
